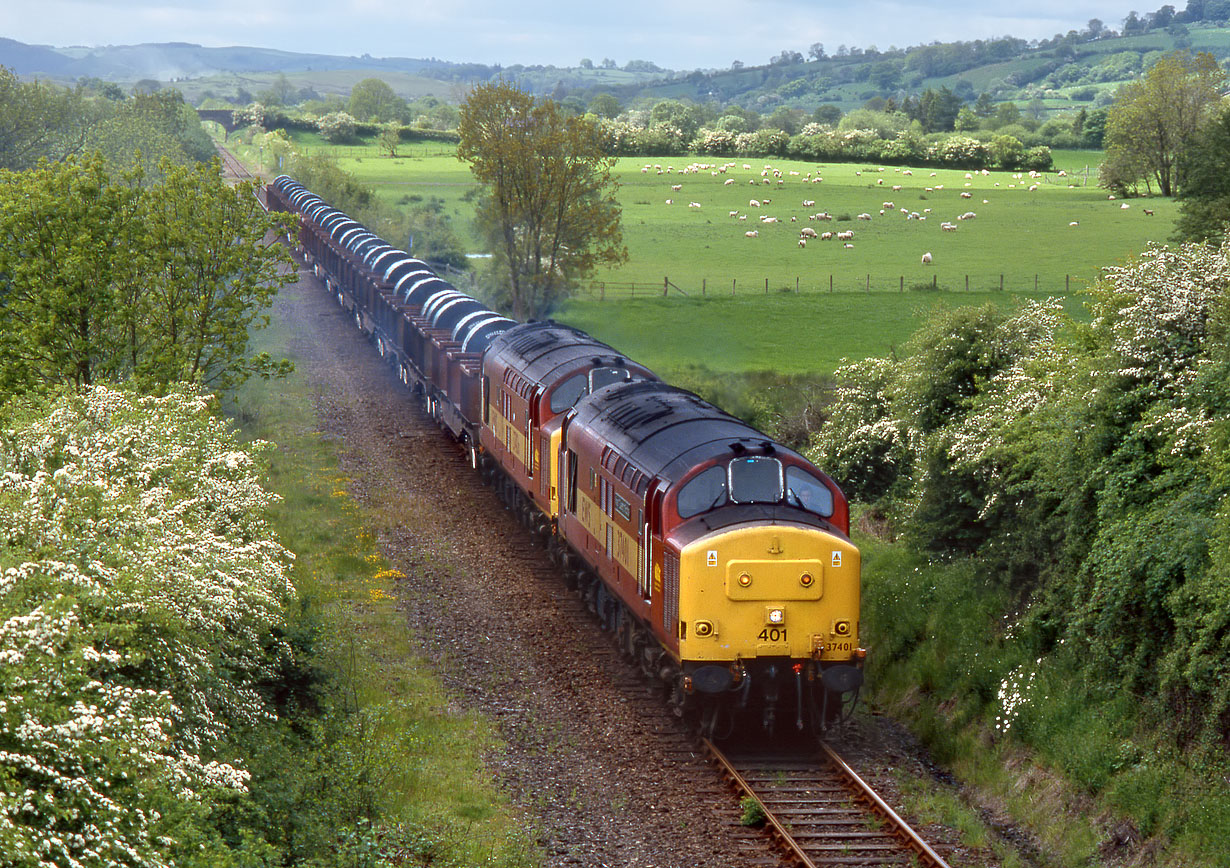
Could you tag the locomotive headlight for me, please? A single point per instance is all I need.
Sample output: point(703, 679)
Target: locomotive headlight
point(807, 580)
point(744, 580)
point(841, 628)
point(703, 629)
point(775, 616)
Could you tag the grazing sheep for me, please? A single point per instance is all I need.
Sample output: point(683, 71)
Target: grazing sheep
point(767, 201)
point(728, 182)
point(1074, 223)
point(949, 227)
point(769, 220)
point(808, 232)
point(879, 180)
point(1033, 187)
point(848, 235)
point(753, 203)
point(907, 172)
point(742, 216)
point(896, 188)
point(926, 258)
point(752, 233)
point(693, 204)
point(1124, 206)
point(1148, 212)
point(826, 236)
point(670, 201)
point(676, 187)
point(809, 203)
point(733, 214)
point(849, 247)
point(802, 242)
point(866, 216)
point(965, 195)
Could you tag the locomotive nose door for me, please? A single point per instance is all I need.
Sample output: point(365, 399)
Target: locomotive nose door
point(650, 529)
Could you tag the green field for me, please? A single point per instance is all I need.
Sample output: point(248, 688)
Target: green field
point(732, 303)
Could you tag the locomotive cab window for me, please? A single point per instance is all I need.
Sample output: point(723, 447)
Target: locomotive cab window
point(600, 377)
point(703, 492)
point(755, 480)
point(806, 492)
point(568, 393)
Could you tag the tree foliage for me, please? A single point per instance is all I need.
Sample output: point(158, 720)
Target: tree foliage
point(1154, 119)
point(1083, 466)
point(1204, 208)
point(549, 209)
point(372, 100)
point(105, 278)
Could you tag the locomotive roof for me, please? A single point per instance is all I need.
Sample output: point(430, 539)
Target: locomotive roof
point(664, 430)
point(538, 348)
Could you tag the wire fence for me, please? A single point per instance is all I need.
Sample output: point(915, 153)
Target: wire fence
point(608, 290)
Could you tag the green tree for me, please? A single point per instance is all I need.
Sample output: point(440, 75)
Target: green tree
point(67, 236)
point(1204, 208)
point(604, 105)
point(207, 273)
point(390, 138)
point(549, 207)
point(373, 100)
point(108, 278)
point(1152, 120)
point(38, 120)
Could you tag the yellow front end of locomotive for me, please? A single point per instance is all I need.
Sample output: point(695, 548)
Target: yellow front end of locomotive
point(775, 591)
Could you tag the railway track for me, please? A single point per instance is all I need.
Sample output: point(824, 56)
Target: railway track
point(232, 169)
point(818, 811)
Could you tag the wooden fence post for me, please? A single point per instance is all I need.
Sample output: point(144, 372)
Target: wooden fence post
point(1001, 283)
point(602, 297)
point(1035, 283)
point(733, 281)
point(796, 284)
point(935, 281)
point(902, 289)
point(869, 283)
point(766, 286)
point(1067, 283)
point(703, 281)
point(830, 283)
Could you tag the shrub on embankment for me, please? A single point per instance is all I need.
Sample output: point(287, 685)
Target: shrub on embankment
point(1063, 496)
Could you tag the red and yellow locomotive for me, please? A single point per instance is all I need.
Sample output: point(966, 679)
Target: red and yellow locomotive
point(720, 559)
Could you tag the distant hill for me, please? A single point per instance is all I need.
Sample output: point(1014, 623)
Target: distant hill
point(1066, 73)
point(173, 61)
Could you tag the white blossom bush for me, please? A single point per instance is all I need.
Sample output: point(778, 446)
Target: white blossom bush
point(337, 126)
point(140, 588)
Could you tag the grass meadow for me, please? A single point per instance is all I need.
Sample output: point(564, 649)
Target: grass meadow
point(737, 304)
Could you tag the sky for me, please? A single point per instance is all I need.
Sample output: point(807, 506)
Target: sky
point(674, 34)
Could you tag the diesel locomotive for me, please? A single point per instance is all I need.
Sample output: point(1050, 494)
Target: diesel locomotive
point(718, 558)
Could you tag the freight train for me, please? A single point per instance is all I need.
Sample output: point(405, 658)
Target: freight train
point(719, 559)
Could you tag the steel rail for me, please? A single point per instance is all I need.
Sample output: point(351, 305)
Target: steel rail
point(900, 828)
point(776, 828)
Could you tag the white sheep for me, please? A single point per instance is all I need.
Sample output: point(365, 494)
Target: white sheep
point(753, 203)
point(809, 203)
point(808, 232)
point(866, 216)
point(802, 242)
point(670, 201)
point(826, 236)
point(848, 235)
point(733, 214)
point(965, 195)
point(926, 258)
point(676, 187)
point(728, 182)
point(752, 233)
point(693, 204)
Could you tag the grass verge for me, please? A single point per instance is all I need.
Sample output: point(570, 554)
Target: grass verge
point(369, 764)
